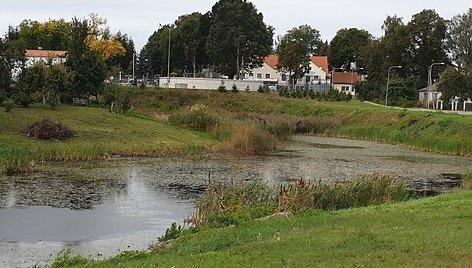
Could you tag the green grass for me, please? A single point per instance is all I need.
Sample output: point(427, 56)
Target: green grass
point(432, 232)
point(99, 134)
point(435, 132)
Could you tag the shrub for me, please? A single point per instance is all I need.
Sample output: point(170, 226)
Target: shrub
point(171, 233)
point(47, 130)
point(261, 89)
point(234, 89)
point(248, 140)
point(280, 129)
point(196, 119)
point(222, 88)
point(226, 204)
point(8, 104)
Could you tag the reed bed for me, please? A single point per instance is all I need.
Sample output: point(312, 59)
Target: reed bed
point(229, 204)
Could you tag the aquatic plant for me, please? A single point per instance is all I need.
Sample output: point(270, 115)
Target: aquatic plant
point(227, 204)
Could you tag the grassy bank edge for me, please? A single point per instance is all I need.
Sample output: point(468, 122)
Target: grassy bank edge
point(417, 233)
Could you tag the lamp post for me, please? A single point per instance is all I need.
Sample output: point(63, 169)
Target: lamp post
point(388, 80)
point(168, 60)
point(430, 81)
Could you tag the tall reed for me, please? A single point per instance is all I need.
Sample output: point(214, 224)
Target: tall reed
point(227, 204)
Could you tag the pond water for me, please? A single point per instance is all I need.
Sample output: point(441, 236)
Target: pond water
point(101, 209)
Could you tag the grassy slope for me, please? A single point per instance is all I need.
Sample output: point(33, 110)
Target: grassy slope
point(99, 133)
point(438, 132)
point(420, 233)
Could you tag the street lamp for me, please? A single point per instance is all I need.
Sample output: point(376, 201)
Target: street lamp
point(168, 60)
point(388, 80)
point(430, 81)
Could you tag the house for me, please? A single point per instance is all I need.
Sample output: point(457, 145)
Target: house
point(268, 72)
point(434, 97)
point(36, 55)
point(345, 82)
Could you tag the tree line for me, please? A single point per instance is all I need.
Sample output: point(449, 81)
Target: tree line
point(232, 38)
point(93, 53)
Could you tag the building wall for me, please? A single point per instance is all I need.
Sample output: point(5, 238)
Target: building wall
point(264, 71)
point(208, 83)
point(345, 88)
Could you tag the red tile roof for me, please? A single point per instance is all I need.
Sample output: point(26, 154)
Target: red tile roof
point(272, 61)
point(320, 61)
point(39, 53)
point(348, 78)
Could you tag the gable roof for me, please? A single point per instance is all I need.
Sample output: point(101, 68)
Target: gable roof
point(272, 61)
point(348, 78)
point(321, 62)
point(39, 53)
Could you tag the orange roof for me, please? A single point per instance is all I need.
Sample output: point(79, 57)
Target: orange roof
point(39, 53)
point(321, 61)
point(348, 78)
point(272, 61)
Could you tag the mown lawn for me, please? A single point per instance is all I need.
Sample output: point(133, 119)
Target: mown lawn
point(432, 232)
point(99, 134)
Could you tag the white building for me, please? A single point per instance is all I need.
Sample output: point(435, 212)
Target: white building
point(36, 55)
point(269, 73)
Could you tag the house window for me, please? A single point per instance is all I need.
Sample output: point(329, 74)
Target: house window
point(251, 74)
point(345, 88)
point(284, 77)
point(267, 76)
point(259, 75)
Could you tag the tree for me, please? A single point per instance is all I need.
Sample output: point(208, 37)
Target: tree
point(100, 40)
point(347, 45)
point(238, 37)
point(53, 34)
point(453, 83)
point(460, 41)
point(427, 38)
point(189, 35)
point(88, 69)
point(294, 50)
point(11, 58)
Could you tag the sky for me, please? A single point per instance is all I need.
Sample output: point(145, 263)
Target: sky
point(140, 18)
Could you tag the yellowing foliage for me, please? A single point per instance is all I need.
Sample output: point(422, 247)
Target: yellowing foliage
point(100, 41)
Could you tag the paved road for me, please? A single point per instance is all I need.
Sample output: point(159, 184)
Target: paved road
point(422, 109)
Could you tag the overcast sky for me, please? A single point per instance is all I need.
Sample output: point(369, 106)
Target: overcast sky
point(140, 18)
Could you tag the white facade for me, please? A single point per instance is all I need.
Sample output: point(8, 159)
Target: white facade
point(208, 83)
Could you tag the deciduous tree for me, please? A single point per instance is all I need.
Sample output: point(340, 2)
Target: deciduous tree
point(294, 50)
point(238, 37)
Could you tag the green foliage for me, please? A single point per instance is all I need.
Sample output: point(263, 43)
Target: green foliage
point(237, 36)
point(261, 89)
point(65, 259)
point(31, 80)
point(171, 233)
point(8, 104)
point(234, 89)
point(89, 71)
point(459, 37)
point(196, 118)
point(454, 83)
point(294, 50)
point(229, 204)
point(347, 46)
point(222, 89)
point(117, 97)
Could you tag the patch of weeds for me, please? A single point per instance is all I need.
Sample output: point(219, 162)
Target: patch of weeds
point(65, 259)
point(171, 233)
